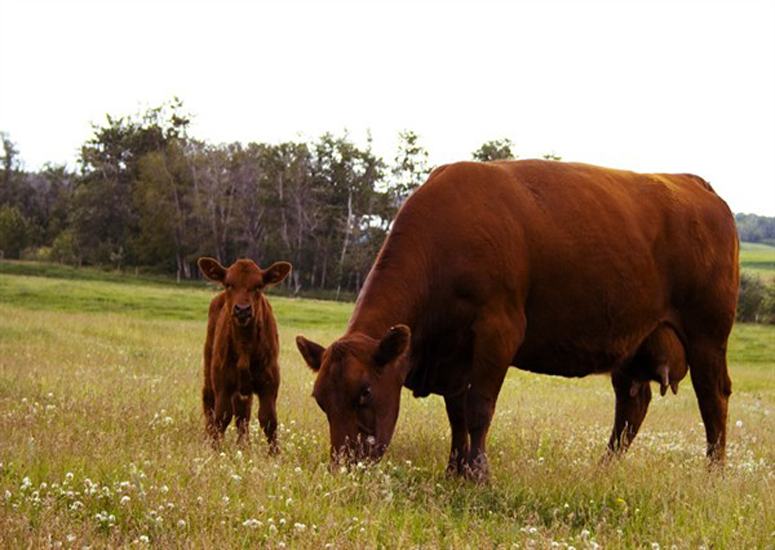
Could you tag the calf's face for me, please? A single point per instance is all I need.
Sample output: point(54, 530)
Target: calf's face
point(244, 283)
point(358, 386)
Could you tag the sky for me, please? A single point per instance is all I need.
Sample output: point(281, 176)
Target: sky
point(650, 86)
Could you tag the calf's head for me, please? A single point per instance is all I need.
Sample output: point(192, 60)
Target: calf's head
point(244, 282)
point(358, 386)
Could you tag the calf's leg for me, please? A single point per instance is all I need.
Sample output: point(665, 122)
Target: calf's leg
point(267, 416)
point(208, 406)
point(241, 405)
point(222, 416)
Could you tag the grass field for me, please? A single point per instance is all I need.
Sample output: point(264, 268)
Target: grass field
point(101, 444)
point(759, 259)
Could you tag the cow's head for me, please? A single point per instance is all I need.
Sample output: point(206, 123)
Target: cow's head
point(244, 282)
point(358, 386)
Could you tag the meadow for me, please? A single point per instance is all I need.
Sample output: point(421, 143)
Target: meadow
point(102, 443)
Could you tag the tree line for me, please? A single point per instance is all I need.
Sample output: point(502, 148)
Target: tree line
point(147, 194)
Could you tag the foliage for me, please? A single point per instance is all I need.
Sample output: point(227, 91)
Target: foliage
point(411, 167)
point(498, 149)
point(14, 231)
point(756, 301)
point(64, 249)
point(755, 229)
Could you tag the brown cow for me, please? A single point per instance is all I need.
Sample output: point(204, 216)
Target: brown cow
point(555, 268)
point(241, 349)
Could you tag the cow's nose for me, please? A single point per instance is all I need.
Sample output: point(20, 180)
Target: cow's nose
point(243, 311)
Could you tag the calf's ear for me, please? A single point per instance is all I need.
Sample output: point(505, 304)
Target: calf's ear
point(312, 352)
point(212, 269)
point(393, 345)
point(276, 272)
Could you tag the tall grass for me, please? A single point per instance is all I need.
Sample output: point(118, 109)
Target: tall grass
point(101, 444)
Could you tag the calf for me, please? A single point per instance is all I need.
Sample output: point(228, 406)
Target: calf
point(241, 349)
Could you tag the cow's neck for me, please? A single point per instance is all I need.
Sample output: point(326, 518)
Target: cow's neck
point(393, 291)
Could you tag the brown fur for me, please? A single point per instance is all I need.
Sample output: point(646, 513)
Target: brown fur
point(555, 268)
point(241, 349)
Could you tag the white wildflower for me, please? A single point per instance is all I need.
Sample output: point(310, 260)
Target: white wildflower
point(299, 526)
point(251, 523)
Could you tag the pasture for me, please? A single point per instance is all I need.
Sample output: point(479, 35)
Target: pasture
point(102, 443)
point(759, 259)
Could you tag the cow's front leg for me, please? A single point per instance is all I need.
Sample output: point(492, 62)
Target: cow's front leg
point(496, 340)
point(456, 412)
point(632, 402)
point(480, 407)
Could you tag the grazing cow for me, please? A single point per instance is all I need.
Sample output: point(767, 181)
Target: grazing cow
point(241, 349)
point(554, 268)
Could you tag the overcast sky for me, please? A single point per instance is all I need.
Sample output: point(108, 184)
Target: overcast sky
point(663, 86)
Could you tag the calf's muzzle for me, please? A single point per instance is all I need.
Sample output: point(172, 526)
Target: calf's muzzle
point(243, 312)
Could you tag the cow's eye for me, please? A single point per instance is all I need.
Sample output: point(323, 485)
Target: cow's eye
point(365, 396)
point(229, 287)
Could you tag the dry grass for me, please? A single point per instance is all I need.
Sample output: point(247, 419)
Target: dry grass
point(101, 444)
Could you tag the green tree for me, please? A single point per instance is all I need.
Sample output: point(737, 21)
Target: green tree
point(497, 149)
point(14, 232)
point(105, 219)
point(411, 166)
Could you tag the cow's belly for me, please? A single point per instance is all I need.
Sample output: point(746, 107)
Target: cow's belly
point(577, 357)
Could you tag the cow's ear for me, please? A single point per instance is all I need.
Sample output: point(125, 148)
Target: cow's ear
point(312, 352)
point(393, 345)
point(276, 272)
point(212, 269)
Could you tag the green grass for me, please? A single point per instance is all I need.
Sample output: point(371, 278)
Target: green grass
point(759, 259)
point(101, 435)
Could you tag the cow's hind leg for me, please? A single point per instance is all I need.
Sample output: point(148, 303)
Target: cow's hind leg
point(241, 405)
point(632, 402)
point(710, 378)
point(456, 412)
point(267, 416)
